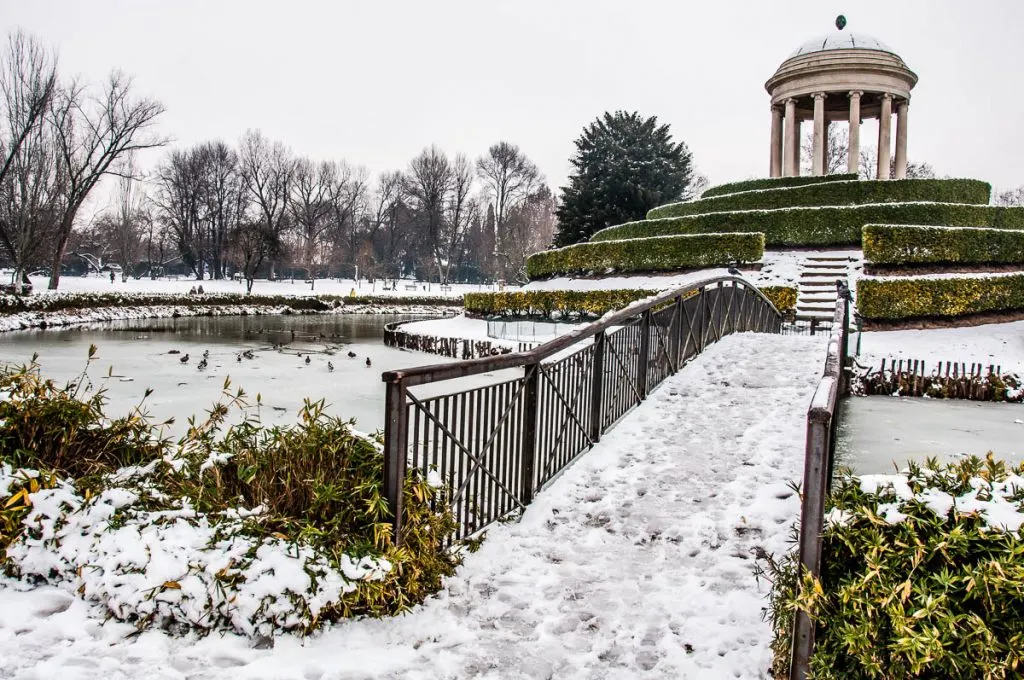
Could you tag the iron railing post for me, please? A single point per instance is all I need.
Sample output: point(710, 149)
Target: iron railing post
point(597, 389)
point(676, 337)
point(812, 514)
point(531, 403)
point(645, 351)
point(396, 438)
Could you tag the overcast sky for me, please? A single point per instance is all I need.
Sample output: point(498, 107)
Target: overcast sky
point(373, 82)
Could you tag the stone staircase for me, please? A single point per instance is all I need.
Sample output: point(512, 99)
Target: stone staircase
point(816, 286)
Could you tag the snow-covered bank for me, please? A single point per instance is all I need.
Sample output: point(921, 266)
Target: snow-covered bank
point(25, 320)
point(298, 288)
point(637, 561)
point(997, 343)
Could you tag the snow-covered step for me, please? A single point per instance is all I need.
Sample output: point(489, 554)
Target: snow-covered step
point(812, 299)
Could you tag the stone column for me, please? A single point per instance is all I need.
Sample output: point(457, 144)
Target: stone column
point(775, 164)
point(818, 157)
point(884, 136)
point(791, 168)
point(901, 139)
point(853, 157)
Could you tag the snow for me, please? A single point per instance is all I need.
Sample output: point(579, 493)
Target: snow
point(636, 561)
point(999, 344)
point(998, 504)
point(947, 275)
point(639, 282)
point(459, 326)
point(100, 284)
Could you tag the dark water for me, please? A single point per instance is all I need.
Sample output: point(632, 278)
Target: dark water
point(136, 355)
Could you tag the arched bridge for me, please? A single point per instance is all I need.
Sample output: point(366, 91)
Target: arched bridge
point(496, 445)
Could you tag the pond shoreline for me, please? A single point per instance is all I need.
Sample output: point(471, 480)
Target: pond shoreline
point(30, 320)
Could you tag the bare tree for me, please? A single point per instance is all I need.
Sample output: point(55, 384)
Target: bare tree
point(267, 169)
point(428, 182)
point(312, 209)
point(182, 202)
point(530, 228)
point(836, 151)
point(868, 167)
point(224, 198)
point(348, 198)
point(385, 228)
point(92, 132)
point(1009, 197)
point(461, 210)
point(122, 228)
point(29, 171)
point(509, 178)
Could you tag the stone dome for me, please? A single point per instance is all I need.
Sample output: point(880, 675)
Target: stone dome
point(842, 40)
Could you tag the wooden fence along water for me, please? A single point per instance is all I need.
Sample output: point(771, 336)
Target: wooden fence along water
point(497, 445)
point(819, 455)
point(455, 348)
point(947, 380)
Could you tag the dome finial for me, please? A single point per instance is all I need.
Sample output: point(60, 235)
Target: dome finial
point(840, 22)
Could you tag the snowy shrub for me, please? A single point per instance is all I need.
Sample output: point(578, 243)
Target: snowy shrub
point(673, 253)
point(583, 304)
point(821, 226)
point(238, 527)
point(916, 245)
point(774, 183)
point(892, 299)
point(922, 576)
point(11, 304)
point(856, 192)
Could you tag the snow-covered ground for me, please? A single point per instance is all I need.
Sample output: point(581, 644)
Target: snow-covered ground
point(997, 343)
point(637, 562)
point(94, 284)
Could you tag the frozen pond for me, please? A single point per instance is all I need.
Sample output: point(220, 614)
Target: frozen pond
point(876, 431)
point(137, 354)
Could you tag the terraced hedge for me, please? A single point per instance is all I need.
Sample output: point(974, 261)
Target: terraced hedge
point(829, 226)
point(914, 244)
point(774, 183)
point(583, 304)
point(669, 253)
point(837, 193)
point(893, 299)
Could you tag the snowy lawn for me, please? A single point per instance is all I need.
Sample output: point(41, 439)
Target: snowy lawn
point(101, 284)
point(637, 561)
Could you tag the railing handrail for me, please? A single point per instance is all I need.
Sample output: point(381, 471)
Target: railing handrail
point(438, 372)
point(819, 455)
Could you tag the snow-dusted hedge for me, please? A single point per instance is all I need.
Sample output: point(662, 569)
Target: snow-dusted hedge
point(774, 183)
point(242, 528)
point(892, 299)
point(921, 576)
point(673, 253)
point(857, 192)
point(583, 304)
point(10, 304)
point(915, 245)
point(828, 226)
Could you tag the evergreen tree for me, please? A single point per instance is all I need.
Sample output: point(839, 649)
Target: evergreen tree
point(624, 165)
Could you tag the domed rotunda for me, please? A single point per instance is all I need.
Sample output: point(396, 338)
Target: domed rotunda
point(842, 76)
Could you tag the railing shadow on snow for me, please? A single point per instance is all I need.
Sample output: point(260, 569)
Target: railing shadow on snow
point(495, 446)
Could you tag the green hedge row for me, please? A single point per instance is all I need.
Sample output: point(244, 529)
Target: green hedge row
point(913, 244)
point(829, 226)
point(693, 251)
point(11, 304)
point(774, 183)
point(835, 194)
point(584, 304)
point(892, 299)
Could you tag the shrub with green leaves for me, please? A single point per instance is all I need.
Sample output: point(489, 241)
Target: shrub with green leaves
point(238, 527)
point(886, 244)
point(899, 298)
point(858, 192)
point(674, 253)
point(774, 183)
point(827, 226)
point(922, 576)
point(583, 304)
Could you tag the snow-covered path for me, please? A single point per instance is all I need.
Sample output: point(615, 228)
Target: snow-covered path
point(637, 562)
